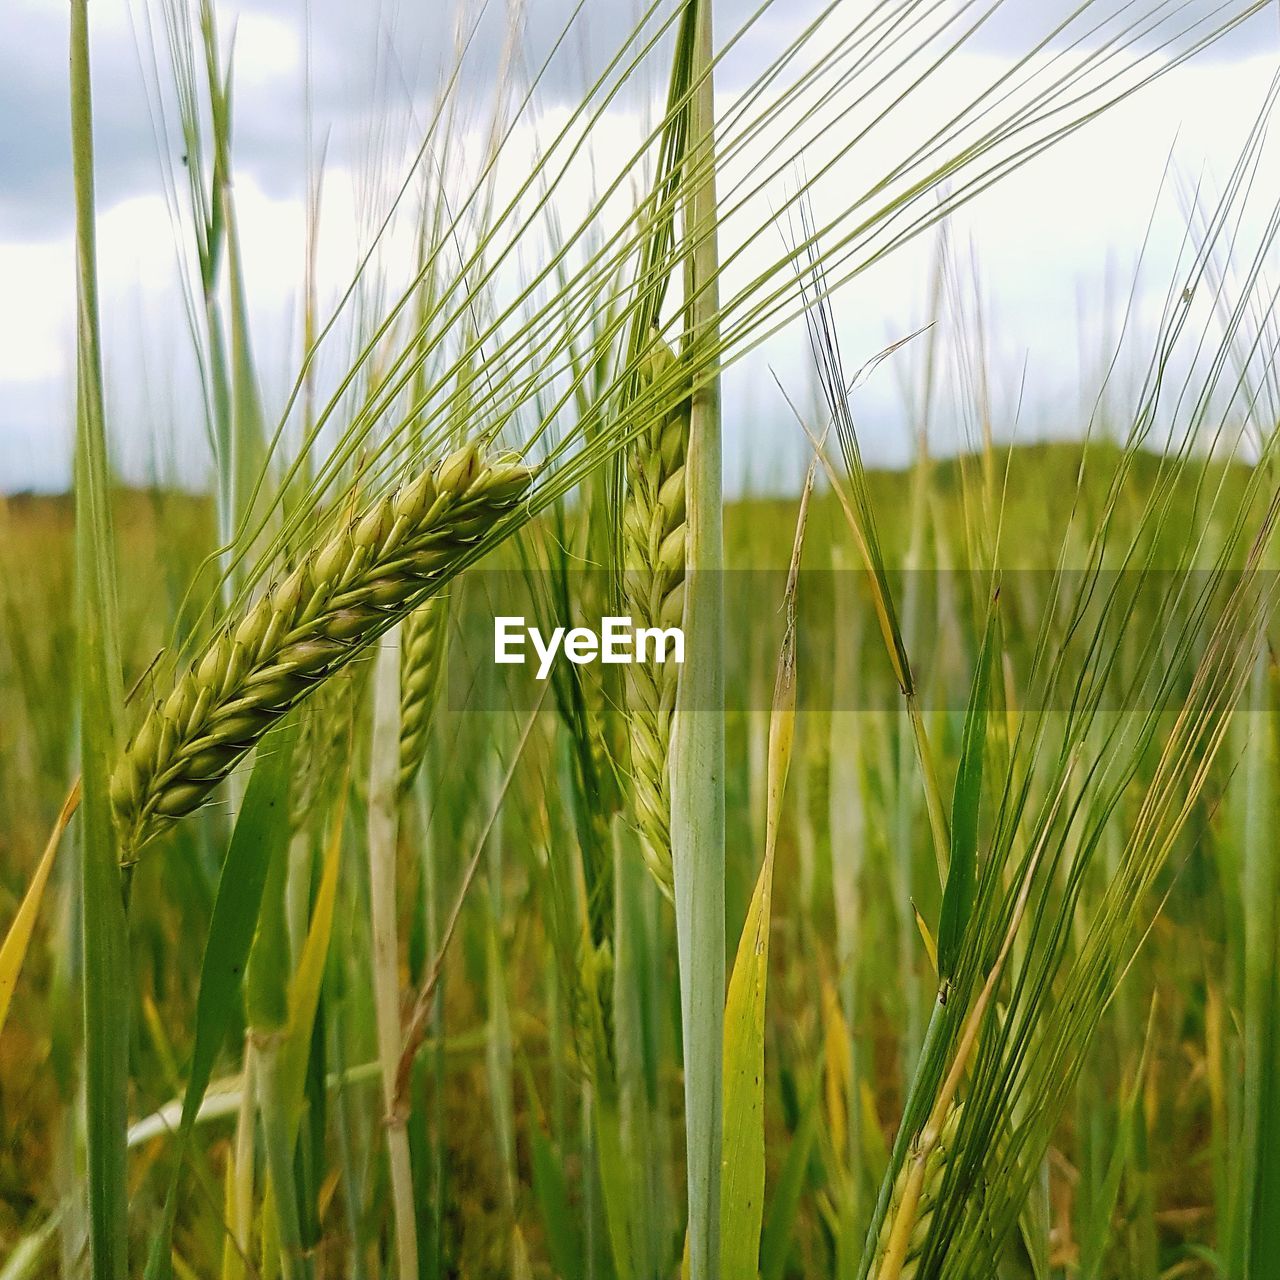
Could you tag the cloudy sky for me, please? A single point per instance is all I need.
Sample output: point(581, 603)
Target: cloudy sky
point(1055, 245)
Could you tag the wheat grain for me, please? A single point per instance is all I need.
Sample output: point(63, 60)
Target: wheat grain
point(654, 532)
point(301, 630)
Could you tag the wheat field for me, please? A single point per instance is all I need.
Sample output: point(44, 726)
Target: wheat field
point(920, 922)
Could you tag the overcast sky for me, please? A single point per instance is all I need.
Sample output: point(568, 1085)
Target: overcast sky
point(1047, 240)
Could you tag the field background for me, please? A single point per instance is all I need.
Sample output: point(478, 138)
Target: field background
point(1137, 1170)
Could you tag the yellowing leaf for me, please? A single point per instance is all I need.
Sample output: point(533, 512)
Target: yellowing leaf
point(742, 1146)
point(742, 1185)
point(930, 946)
point(304, 986)
point(14, 949)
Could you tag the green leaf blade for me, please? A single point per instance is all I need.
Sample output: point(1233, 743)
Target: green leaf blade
point(958, 895)
point(259, 837)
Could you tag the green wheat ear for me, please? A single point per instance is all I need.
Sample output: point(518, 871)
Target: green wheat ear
point(424, 639)
point(654, 579)
point(302, 630)
point(934, 1173)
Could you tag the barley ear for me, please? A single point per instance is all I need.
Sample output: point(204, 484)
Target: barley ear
point(303, 629)
point(424, 638)
point(935, 1171)
point(654, 580)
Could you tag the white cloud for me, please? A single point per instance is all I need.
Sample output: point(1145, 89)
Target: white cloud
point(36, 325)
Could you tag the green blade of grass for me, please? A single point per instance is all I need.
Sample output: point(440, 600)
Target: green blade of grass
point(957, 897)
point(1256, 1256)
point(260, 832)
point(103, 928)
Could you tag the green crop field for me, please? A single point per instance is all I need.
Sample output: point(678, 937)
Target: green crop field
point(920, 922)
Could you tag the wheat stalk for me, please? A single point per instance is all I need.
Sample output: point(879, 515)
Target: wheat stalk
point(303, 629)
point(424, 637)
point(654, 533)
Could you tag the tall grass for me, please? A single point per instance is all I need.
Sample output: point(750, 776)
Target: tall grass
point(102, 911)
point(362, 890)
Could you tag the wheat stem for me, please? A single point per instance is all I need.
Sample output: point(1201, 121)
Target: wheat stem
point(384, 770)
